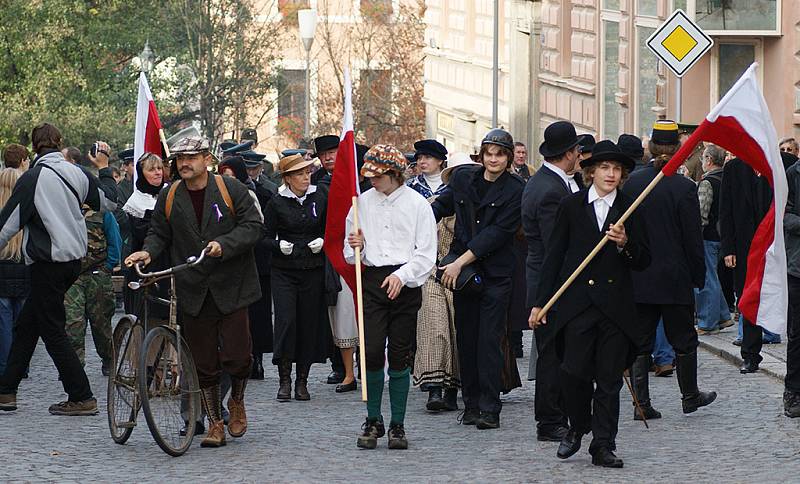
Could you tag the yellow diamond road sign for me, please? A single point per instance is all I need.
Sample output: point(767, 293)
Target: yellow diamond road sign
point(679, 43)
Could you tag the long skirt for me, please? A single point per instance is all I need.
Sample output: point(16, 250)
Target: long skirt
point(260, 313)
point(343, 319)
point(436, 359)
point(301, 335)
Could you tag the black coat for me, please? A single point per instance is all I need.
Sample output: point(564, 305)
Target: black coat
point(744, 201)
point(791, 221)
point(496, 216)
point(671, 216)
point(606, 282)
point(232, 279)
point(286, 219)
point(540, 200)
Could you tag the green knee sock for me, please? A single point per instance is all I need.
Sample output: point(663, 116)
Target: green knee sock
point(374, 394)
point(399, 382)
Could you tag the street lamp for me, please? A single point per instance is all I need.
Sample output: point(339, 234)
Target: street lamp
point(146, 58)
point(307, 19)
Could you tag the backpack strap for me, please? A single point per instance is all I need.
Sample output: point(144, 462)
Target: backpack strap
point(226, 196)
point(171, 198)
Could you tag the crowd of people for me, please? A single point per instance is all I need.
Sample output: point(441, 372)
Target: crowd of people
point(460, 253)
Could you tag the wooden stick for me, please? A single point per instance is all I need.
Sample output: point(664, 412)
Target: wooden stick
point(598, 247)
point(362, 341)
point(636, 401)
point(164, 141)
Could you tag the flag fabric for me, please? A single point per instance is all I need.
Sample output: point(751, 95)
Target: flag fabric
point(344, 186)
point(741, 123)
point(147, 138)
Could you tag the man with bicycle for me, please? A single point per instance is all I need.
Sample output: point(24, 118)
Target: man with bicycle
point(205, 212)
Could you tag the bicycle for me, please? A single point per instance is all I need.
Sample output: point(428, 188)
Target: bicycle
point(155, 373)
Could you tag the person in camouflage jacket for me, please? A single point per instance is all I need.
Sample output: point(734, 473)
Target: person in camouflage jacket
point(92, 295)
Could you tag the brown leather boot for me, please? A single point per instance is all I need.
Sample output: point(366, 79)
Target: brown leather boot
point(301, 385)
point(216, 427)
point(285, 379)
point(237, 424)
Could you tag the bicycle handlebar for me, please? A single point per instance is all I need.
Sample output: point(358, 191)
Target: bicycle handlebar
point(190, 262)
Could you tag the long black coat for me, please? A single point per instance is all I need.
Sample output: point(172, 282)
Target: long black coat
point(232, 279)
point(540, 200)
point(671, 216)
point(606, 282)
point(744, 201)
point(497, 218)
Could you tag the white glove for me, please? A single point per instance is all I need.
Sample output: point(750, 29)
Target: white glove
point(316, 245)
point(286, 247)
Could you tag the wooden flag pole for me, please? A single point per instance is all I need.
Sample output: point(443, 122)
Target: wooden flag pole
point(598, 247)
point(362, 341)
point(164, 142)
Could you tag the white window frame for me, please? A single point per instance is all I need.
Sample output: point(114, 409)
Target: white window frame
point(647, 22)
point(605, 16)
point(714, 78)
point(691, 5)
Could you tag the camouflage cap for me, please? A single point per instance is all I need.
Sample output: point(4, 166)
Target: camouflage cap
point(190, 145)
point(382, 158)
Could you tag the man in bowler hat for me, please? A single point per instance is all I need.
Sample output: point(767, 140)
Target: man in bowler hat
point(325, 148)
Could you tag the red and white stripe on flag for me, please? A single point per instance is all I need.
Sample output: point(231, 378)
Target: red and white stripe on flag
point(147, 137)
point(344, 186)
point(741, 123)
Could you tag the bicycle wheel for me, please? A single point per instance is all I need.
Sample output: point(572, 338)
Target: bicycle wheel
point(123, 403)
point(169, 390)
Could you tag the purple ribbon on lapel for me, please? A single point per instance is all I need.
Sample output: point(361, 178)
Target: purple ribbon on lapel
point(216, 209)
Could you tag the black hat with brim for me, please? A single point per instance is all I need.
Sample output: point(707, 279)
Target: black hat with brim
point(238, 149)
point(252, 159)
point(325, 143)
point(430, 147)
point(587, 143)
point(126, 156)
point(559, 137)
point(631, 145)
point(607, 150)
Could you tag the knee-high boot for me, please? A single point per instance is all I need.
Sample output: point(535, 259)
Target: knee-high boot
point(693, 398)
point(641, 387)
point(301, 385)
point(285, 378)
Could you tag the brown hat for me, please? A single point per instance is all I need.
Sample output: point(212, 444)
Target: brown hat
point(191, 145)
point(291, 163)
point(382, 158)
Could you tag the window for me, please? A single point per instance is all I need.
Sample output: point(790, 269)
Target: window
point(730, 16)
point(646, 7)
point(291, 101)
point(733, 60)
point(680, 4)
point(611, 4)
point(610, 79)
point(648, 77)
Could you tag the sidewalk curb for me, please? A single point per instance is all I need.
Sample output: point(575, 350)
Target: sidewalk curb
point(774, 367)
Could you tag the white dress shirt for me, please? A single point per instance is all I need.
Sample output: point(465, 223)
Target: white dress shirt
point(569, 180)
point(398, 230)
point(601, 206)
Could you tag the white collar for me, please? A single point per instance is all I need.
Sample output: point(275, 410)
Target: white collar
point(287, 192)
point(392, 196)
point(609, 199)
point(558, 171)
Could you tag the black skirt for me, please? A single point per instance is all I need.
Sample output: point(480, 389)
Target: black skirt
point(300, 333)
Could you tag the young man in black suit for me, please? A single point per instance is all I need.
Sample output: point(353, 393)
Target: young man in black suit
point(665, 290)
point(594, 322)
point(540, 200)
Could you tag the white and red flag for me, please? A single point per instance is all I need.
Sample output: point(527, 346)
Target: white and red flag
point(147, 138)
point(344, 186)
point(741, 123)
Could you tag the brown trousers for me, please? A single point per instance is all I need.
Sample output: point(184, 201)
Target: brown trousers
point(218, 342)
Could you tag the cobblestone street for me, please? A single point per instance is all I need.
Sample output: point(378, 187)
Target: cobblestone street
point(743, 437)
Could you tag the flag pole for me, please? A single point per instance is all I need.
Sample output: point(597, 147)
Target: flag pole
point(164, 141)
point(362, 341)
point(598, 247)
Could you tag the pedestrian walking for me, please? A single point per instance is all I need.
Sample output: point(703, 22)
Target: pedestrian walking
point(486, 202)
point(791, 228)
point(46, 205)
point(397, 238)
point(203, 211)
point(295, 227)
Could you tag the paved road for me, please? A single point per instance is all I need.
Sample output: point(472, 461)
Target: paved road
point(742, 438)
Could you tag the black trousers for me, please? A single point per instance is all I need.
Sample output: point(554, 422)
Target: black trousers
point(300, 322)
point(595, 351)
point(751, 341)
point(480, 326)
point(43, 315)
point(548, 401)
point(260, 313)
point(386, 319)
point(792, 380)
point(678, 326)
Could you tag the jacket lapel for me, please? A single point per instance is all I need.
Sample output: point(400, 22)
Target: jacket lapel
point(208, 200)
point(588, 208)
point(547, 171)
point(183, 201)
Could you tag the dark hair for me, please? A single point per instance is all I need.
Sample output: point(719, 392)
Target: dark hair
point(661, 153)
point(14, 155)
point(73, 154)
point(586, 173)
point(46, 136)
point(519, 143)
point(115, 170)
point(503, 150)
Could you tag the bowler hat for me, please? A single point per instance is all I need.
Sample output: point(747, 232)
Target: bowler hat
point(430, 147)
point(631, 145)
point(559, 137)
point(665, 132)
point(325, 143)
point(288, 164)
point(606, 150)
point(587, 142)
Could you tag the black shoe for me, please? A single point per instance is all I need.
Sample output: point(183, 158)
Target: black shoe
point(570, 444)
point(435, 400)
point(334, 378)
point(373, 430)
point(450, 399)
point(701, 399)
point(736, 342)
point(749, 366)
point(650, 413)
point(199, 428)
point(469, 416)
point(488, 420)
point(553, 434)
point(397, 437)
point(257, 371)
point(791, 404)
point(606, 458)
point(347, 387)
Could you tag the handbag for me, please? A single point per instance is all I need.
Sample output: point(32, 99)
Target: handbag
point(469, 282)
